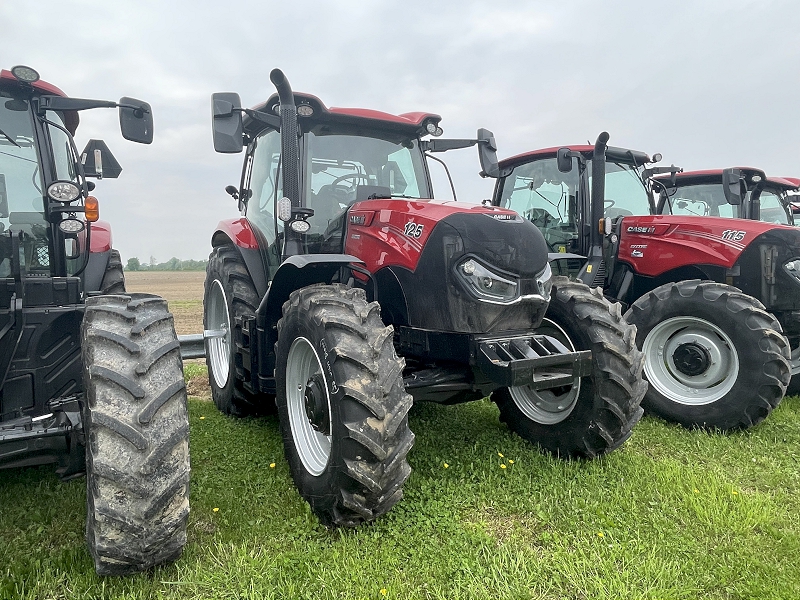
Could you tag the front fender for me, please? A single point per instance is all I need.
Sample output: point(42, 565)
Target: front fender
point(298, 272)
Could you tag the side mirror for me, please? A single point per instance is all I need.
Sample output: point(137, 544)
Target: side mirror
point(226, 122)
point(487, 153)
point(564, 160)
point(732, 186)
point(98, 161)
point(136, 120)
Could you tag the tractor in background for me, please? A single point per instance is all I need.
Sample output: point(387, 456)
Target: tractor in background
point(714, 299)
point(345, 292)
point(91, 378)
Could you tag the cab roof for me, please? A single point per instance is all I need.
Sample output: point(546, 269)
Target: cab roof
point(411, 124)
point(7, 80)
point(613, 153)
point(715, 176)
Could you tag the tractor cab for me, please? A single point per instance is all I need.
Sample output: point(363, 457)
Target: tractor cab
point(44, 190)
point(748, 194)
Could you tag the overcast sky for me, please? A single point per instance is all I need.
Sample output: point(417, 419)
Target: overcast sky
point(707, 84)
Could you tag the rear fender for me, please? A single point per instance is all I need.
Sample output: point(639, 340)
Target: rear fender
point(99, 253)
point(239, 233)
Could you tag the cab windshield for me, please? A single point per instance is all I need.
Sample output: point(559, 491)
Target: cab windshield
point(21, 185)
point(350, 168)
point(625, 194)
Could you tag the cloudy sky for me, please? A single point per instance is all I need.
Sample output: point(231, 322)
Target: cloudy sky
point(706, 83)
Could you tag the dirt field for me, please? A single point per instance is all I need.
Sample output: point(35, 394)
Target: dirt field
point(182, 289)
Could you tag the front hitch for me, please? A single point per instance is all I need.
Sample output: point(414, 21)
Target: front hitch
point(538, 361)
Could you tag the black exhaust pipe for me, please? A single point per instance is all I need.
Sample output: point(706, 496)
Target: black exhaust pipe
point(593, 272)
point(598, 188)
point(290, 155)
point(290, 148)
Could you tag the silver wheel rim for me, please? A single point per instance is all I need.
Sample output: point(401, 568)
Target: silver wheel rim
point(545, 406)
point(218, 334)
point(661, 371)
point(313, 447)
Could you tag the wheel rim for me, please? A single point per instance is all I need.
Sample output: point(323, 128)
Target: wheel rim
point(218, 334)
point(302, 368)
point(690, 361)
point(550, 406)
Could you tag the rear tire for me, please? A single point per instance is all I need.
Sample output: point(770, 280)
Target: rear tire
point(595, 415)
point(336, 367)
point(714, 357)
point(114, 277)
point(137, 434)
point(229, 294)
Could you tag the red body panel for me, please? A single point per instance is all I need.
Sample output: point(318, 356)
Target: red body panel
point(100, 237)
point(383, 240)
point(656, 244)
point(239, 232)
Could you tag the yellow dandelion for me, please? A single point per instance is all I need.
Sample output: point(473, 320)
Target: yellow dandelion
point(384, 591)
point(696, 491)
point(201, 418)
point(735, 493)
point(600, 534)
point(445, 465)
point(510, 461)
point(500, 454)
point(216, 509)
point(271, 465)
point(502, 466)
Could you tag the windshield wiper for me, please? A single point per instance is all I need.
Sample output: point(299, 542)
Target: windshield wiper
point(8, 137)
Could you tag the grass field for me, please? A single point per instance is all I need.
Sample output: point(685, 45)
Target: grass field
point(673, 514)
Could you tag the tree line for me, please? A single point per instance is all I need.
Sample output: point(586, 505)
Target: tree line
point(173, 264)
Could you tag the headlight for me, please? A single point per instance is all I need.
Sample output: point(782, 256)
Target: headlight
point(485, 284)
point(793, 267)
point(544, 281)
point(63, 191)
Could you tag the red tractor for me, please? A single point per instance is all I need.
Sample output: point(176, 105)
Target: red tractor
point(345, 293)
point(714, 356)
point(90, 382)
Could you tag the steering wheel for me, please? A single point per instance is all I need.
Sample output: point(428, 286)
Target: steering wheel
point(608, 203)
point(355, 176)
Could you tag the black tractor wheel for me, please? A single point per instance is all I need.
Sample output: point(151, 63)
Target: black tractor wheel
point(229, 293)
point(137, 434)
point(595, 414)
point(114, 277)
point(342, 404)
point(714, 357)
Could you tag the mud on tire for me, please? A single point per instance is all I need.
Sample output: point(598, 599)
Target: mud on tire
point(229, 293)
point(596, 414)
point(336, 365)
point(714, 357)
point(137, 434)
point(114, 277)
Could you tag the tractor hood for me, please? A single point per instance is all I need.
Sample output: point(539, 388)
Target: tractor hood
point(431, 259)
point(660, 243)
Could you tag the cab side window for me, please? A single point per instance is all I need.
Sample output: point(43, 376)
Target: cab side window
point(263, 189)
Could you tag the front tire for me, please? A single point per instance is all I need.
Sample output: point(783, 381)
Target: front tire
point(714, 357)
point(229, 294)
point(342, 404)
point(137, 434)
point(595, 414)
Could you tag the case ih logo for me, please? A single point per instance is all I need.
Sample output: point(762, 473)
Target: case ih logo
point(358, 219)
point(504, 216)
point(641, 229)
point(733, 235)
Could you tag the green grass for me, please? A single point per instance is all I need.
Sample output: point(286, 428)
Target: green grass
point(673, 514)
